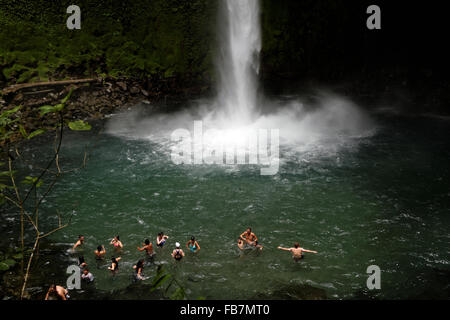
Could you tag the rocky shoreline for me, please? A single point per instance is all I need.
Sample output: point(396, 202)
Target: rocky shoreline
point(93, 99)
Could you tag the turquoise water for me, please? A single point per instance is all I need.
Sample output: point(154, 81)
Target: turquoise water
point(380, 200)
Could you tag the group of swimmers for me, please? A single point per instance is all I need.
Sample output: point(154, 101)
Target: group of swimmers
point(246, 240)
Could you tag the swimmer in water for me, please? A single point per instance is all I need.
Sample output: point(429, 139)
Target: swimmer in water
point(114, 264)
point(117, 243)
point(193, 245)
point(100, 252)
point(139, 267)
point(177, 254)
point(148, 247)
point(297, 252)
point(87, 276)
point(81, 262)
point(250, 239)
point(241, 243)
point(56, 292)
point(161, 239)
point(79, 242)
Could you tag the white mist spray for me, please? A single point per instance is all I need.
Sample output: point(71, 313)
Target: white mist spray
point(323, 127)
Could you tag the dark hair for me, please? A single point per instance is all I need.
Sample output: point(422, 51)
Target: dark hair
point(114, 260)
point(296, 245)
point(80, 236)
point(193, 238)
point(86, 269)
point(81, 260)
point(249, 229)
point(99, 248)
point(118, 238)
point(147, 241)
point(140, 264)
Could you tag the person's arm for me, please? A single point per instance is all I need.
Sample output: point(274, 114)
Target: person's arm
point(104, 250)
point(76, 245)
point(182, 253)
point(285, 249)
point(311, 251)
point(62, 294)
point(198, 247)
point(173, 253)
point(120, 244)
point(255, 238)
point(242, 236)
point(187, 244)
point(47, 295)
point(141, 249)
point(118, 258)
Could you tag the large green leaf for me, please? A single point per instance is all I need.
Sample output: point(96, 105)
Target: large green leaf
point(79, 125)
point(23, 131)
point(158, 282)
point(67, 97)
point(47, 108)
point(35, 133)
point(9, 262)
point(8, 112)
point(3, 266)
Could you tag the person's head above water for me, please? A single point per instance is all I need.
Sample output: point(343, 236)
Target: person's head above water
point(86, 271)
point(81, 237)
point(147, 242)
point(117, 237)
point(192, 238)
point(297, 245)
point(99, 248)
point(249, 230)
point(177, 244)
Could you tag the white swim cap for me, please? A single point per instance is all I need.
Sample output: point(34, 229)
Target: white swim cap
point(177, 244)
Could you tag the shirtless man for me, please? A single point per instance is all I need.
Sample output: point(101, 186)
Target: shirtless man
point(297, 252)
point(250, 238)
point(147, 246)
point(56, 291)
point(79, 242)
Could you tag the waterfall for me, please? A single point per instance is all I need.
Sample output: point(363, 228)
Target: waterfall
point(238, 62)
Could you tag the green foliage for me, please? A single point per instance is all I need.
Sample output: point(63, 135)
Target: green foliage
point(9, 129)
point(10, 259)
point(79, 125)
point(162, 277)
point(8, 119)
point(33, 180)
point(138, 38)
